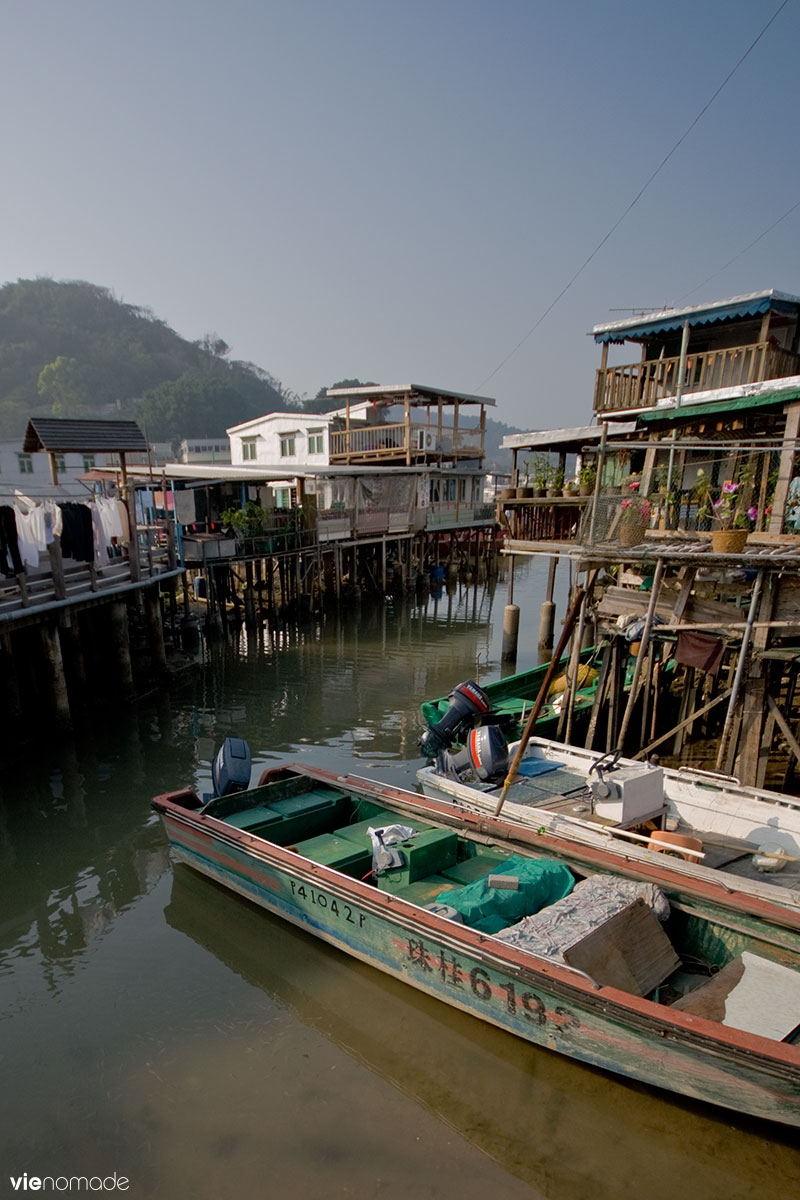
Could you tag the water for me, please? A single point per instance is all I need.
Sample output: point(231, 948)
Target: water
point(157, 1026)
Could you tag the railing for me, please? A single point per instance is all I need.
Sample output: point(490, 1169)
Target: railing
point(643, 384)
point(389, 441)
point(457, 514)
point(553, 520)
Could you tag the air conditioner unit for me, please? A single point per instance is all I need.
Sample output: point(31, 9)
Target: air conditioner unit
point(426, 439)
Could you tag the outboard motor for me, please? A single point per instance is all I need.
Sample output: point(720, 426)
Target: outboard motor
point(485, 755)
point(468, 703)
point(232, 767)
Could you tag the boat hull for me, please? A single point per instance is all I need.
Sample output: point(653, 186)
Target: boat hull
point(546, 1005)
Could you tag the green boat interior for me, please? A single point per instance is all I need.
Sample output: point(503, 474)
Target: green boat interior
point(693, 958)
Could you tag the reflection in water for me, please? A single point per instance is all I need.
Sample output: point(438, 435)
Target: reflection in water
point(219, 1051)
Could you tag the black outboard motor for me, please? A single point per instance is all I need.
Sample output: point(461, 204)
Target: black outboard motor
point(232, 767)
point(468, 703)
point(485, 755)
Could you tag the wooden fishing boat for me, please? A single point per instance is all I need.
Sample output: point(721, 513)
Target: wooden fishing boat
point(716, 823)
point(455, 908)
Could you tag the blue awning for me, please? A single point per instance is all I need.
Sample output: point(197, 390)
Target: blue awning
point(672, 319)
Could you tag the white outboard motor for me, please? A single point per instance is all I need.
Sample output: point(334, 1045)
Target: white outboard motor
point(468, 703)
point(485, 755)
point(232, 767)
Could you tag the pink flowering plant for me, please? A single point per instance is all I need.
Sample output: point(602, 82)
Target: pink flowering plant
point(727, 510)
point(635, 508)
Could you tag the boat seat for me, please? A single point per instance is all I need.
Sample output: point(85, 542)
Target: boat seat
point(305, 802)
point(253, 819)
point(424, 891)
point(338, 853)
point(671, 843)
point(358, 831)
point(431, 850)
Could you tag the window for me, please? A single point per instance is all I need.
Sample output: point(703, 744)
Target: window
point(60, 464)
point(88, 462)
point(287, 445)
point(25, 464)
point(248, 448)
point(315, 437)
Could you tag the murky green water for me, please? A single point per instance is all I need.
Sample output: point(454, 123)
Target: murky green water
point(157, 1026)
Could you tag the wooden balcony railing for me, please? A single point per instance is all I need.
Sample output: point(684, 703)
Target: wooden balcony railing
point(400, 441)
point(554, 520)
point(643, 384)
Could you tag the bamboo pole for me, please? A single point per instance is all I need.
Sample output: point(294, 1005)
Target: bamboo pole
point(643, 647)
point(694, 716)
point(737, 679)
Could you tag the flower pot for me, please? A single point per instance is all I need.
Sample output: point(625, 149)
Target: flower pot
point(524, 493)
point(586, 489)
point(728, 541)
point(568, 491)
point(553, 492)
point(630, 533)
point(508, 493)
point(539, 492)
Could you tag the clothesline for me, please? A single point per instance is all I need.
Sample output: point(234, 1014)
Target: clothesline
point(88, 531)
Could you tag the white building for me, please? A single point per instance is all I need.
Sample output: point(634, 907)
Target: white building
point(206, 450)
point(30, 473)
point(290, 439)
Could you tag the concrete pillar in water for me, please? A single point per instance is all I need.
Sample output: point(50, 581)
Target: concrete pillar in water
point(55, 669)
point(547, 620)
point(250, 607)
point(120, 644)
point(510, 632)
point(155, 628)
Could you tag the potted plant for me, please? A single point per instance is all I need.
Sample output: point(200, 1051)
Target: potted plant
point(734, 525)
point(539, 471)
point(634, 515)
point(556, 482)
point(587, 477)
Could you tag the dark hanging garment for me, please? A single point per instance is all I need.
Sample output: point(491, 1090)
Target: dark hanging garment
point(701, 650)
point(77, 541)
point(10, 561)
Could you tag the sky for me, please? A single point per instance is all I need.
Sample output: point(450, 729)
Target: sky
point(399, 191)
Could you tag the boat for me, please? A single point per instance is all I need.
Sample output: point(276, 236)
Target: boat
point(511, 699)
point(476, 912)
point(712, 821)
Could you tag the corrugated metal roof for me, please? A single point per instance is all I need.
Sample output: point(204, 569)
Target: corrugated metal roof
point(63, 435)
point(555, 438)
point(645, 325)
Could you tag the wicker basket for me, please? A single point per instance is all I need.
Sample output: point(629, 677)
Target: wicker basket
point(728, 541)
point(630, 533)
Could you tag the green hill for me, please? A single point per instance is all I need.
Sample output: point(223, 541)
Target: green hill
point(71, 349)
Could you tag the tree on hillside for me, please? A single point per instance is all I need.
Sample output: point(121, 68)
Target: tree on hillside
point(196, 405)
point(65, 385)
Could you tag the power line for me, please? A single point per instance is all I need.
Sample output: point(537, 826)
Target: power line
point(637, 197)
point(769, 229)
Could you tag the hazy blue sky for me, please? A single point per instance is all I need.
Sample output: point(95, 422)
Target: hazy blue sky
point(397, 191)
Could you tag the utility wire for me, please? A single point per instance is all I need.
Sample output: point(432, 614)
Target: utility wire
point(637, 197)
point(770, 228)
